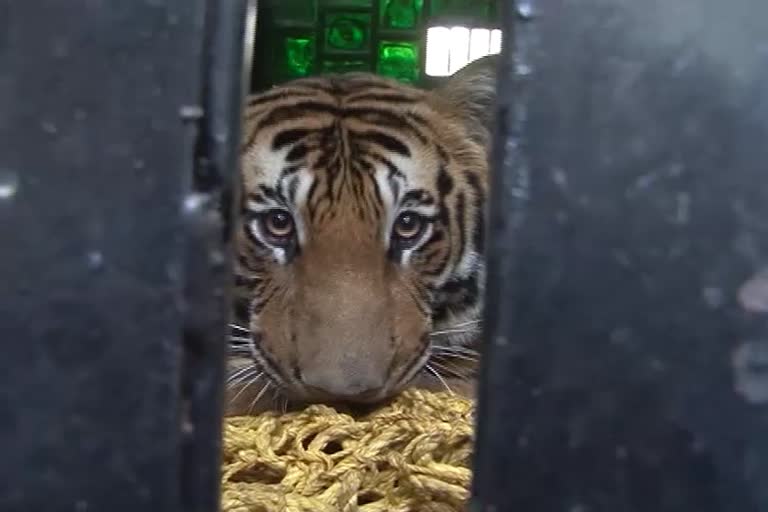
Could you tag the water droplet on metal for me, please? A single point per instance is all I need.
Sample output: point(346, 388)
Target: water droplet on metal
point(621, 336)
point(682, 208)
point(191, 112)
point(750, 367)
point(193, 202)
point(753, 294)
point(522, 68)
point(49, 127)
point(216, 258)
point(95, 259)
point(559, 177)
point(525, 9)
point(713, 297)
point(9, 184)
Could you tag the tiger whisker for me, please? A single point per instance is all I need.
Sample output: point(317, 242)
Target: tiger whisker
point(249, 384)
point(240, 380)
point(241, 339)
point(464, 324)
point(453, 331)
point(455, 349)
point(240, 372)
point(454, 355)
point(452, 371)
point(258, 396)
point(249, 377)
point(239, 328)
point(439, 377)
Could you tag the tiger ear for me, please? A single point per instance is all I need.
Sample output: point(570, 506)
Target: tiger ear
point(471, 92)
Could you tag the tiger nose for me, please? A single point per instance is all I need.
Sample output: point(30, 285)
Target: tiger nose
point(353, 386)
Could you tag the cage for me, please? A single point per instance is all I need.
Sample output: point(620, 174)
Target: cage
point(625, 327)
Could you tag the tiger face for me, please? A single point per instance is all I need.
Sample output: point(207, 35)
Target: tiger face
point(359, 238)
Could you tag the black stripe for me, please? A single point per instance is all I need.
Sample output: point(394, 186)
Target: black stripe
point(297, 152)
point(467, 285)
point(279, 94)
point(256, 198)
point(362, 112)
point(461, 221)
point(286, 137)
point(245, 281)
point(253, 238)
point(384, 140)
point(393, 170)
point(478, 235)
point(293, 185)
point(387, 97)
point(311, 207)
point(298, 110)
point(442, 154)
point(417, 197)
point(444, 182)
point(241, 309)
point(289, 171)
point(268, 192)
point(261, 300)
point(390, 119)
point(377, 194)
point(437, 236)
point(253, 261)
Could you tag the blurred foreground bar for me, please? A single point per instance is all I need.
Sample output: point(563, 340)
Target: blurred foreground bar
point(626, 365)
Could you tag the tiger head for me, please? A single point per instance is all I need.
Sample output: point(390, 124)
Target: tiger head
point(360, 231)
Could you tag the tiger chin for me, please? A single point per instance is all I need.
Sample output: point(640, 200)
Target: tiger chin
point(359, 267)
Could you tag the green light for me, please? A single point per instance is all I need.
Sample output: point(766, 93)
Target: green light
point(399, 60)
point(402, 14)
point(347, 31)
point(299, 55)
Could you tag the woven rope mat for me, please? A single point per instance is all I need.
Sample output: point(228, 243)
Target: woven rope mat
point(412, 455)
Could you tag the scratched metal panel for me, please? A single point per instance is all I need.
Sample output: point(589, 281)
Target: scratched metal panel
point(627, 299)
point(113, 118)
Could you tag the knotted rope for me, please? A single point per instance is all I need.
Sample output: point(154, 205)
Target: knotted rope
point(412, 455)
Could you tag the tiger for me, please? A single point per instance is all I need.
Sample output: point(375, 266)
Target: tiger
point(358, 240)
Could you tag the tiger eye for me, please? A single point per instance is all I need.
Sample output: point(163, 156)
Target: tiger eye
point(279, 224)
point(408, 225)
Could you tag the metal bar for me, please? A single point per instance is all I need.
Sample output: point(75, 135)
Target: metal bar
point(227, 66)
point(119, 128)
point(626, 301)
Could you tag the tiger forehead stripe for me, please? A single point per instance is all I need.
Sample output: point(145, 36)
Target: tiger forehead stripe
point(375, 101)
point(388, 142)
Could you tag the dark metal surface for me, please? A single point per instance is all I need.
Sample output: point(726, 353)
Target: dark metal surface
point(228, 54)
point(625, 358)
point(112, 119)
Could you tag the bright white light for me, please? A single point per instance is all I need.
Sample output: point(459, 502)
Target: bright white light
point(459, 49)
point(479, 43)
point(450, 49)
point(437, 51)
point(495, 41)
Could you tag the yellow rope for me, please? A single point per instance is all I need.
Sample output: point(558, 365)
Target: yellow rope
point(412, 455)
